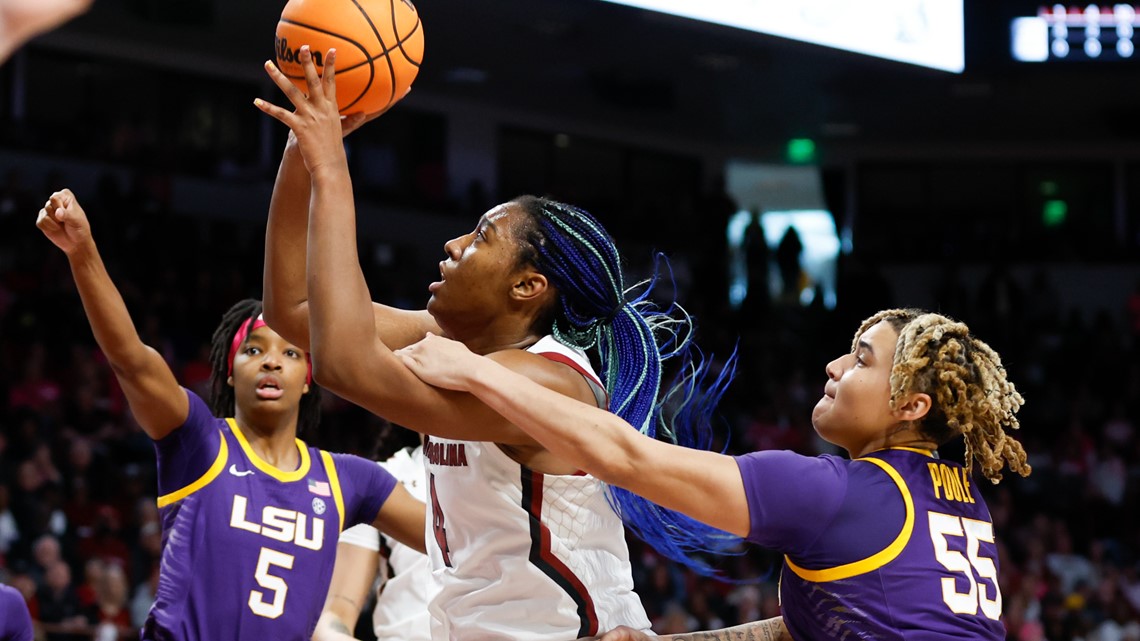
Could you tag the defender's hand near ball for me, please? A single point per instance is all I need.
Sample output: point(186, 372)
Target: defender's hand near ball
point(64, 222)
point(315, 120)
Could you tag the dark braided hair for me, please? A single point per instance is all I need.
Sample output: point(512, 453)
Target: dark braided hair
point(222, 394)
point(631, 338)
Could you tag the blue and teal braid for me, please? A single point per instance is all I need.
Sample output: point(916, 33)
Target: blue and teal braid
point(633, 338)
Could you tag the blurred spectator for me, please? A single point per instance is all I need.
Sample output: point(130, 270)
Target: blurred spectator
point(60, 611)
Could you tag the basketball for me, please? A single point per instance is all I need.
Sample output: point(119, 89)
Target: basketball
point(379, 45)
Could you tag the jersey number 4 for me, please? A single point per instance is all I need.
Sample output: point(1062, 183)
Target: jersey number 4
point(943, 526)
point(437, 524)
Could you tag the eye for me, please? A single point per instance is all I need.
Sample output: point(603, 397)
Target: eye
point(252, 351)
point(859, 361)
point(292, 353)
point(479, 234)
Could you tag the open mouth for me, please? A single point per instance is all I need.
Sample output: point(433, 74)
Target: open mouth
point(269, 389)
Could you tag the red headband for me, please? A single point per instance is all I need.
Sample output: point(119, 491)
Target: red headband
point(243, 333)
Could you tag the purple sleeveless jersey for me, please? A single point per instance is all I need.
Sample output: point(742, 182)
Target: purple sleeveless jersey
point(895, 545)
point(247, 549)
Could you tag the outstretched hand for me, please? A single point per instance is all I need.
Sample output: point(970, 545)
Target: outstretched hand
point(315, 121)
point(64, 222)
point(622, 633)
point(441, 362)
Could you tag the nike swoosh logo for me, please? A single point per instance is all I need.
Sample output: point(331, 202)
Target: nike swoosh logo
point(235, 472)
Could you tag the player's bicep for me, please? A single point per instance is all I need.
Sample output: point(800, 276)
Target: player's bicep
point(398, 328)
point(380, 382)
point(403, 517)
point(154, 395)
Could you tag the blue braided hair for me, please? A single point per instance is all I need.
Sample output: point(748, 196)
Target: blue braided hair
point(632, 338)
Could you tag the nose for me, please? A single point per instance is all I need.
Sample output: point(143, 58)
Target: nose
point(835, 368)
point(270, 361)
point(454, 247)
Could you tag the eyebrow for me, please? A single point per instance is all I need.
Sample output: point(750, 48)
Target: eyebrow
point(485, 221)
point(867, 346)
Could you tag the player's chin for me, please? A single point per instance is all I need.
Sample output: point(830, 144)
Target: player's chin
point(821, 407)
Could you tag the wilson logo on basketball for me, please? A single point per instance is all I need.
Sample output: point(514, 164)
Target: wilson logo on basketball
point(292, 56)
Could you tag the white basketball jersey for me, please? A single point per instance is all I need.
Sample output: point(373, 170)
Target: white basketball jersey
point(405, 581)
point(521, 555)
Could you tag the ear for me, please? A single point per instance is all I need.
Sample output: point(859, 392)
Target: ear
point(230, 381)
point(305, 389)
point(529, 285)
point(914, 408)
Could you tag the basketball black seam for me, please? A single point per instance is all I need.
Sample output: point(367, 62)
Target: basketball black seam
point(367, 58)
point(400, 41)
point(384, 48)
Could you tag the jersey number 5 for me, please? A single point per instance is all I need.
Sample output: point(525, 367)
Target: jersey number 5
point(271, 583)
point(437, 525)
point(947, 525)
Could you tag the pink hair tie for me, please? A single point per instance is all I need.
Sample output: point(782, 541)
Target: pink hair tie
point(243, 333)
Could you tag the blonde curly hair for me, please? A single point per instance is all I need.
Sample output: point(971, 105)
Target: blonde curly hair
point(966, 382)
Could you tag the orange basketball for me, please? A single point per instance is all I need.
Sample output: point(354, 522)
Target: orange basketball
point(379, 45)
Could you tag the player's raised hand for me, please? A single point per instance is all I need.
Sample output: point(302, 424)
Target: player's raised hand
point(64, 222)
point(315, 120)
point(24, 19)
point(440, 361)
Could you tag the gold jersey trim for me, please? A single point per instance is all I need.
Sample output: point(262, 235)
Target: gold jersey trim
point(880, 558)
point(280, 475)
point(334, 481)
point(204, 480)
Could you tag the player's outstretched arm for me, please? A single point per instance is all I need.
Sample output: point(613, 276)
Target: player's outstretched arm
point(286, 239)
point(703, 485)
point(766, 630)
point(286, 297)
point(351, 355)
point(156, 399)
point(402, 517)
point(352, 578)
point(21, 20)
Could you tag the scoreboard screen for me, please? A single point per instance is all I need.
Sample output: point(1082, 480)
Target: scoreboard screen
point(928, 33)
point(1089, 32)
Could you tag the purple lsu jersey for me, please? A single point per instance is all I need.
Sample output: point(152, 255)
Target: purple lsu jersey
point(248, 549)
point(895, 545)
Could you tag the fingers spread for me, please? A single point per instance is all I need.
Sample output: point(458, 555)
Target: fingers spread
point(283, 115)
point(328, 79)
point(312, 78)
point(284, 84)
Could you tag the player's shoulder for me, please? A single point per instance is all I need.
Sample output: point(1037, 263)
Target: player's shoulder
point(9, 593)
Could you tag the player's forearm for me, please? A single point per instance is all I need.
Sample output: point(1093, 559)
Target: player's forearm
point(110, 321)
point(766, 630)
point(589, 438)
point(285, 290)
point(341, 320)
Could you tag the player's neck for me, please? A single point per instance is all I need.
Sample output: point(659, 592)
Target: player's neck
point(274, 441)
point(496, 339)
